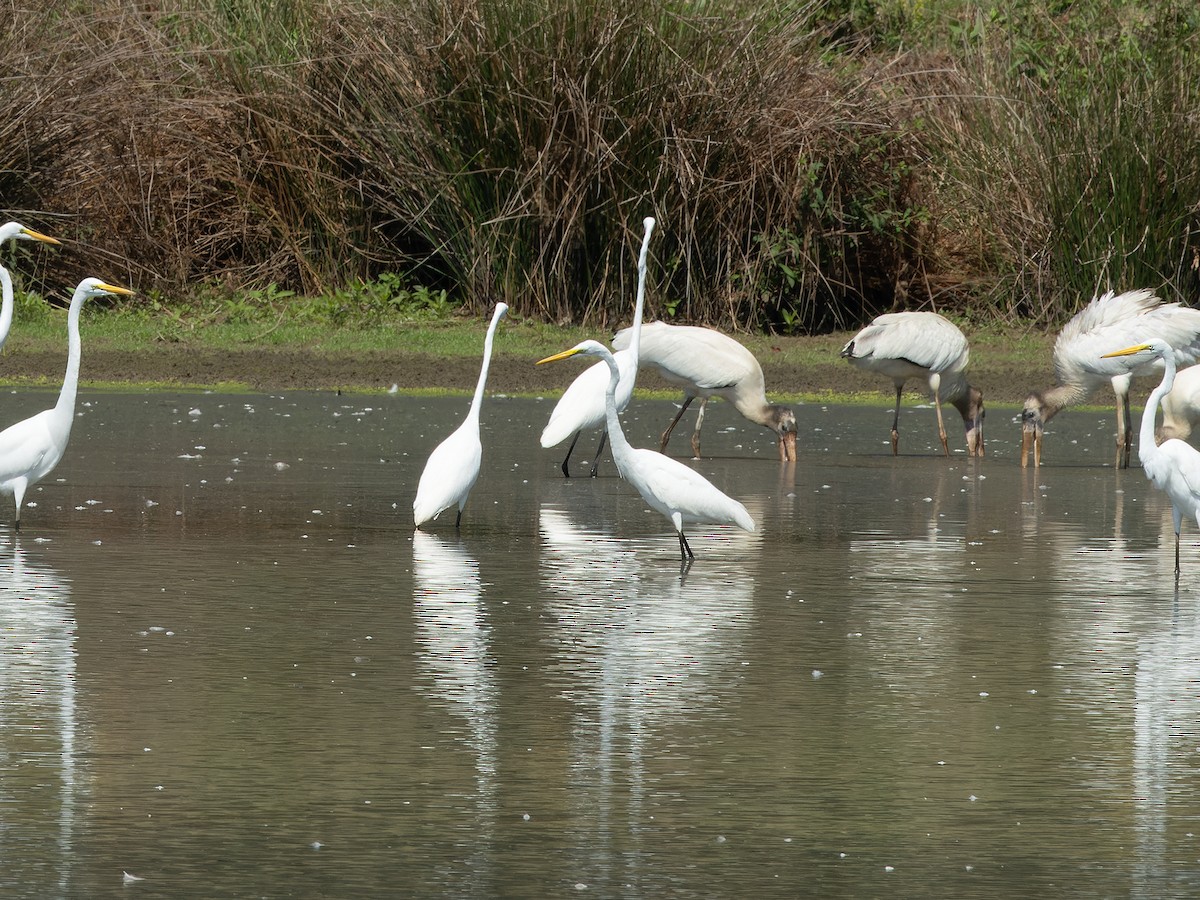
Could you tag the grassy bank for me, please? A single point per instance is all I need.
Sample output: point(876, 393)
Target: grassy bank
point(810, 163)
point(128, 348)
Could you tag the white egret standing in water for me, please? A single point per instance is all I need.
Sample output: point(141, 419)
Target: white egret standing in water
point(30, 449)
point(581, 406)
point(13, 231)
point(1105, 325)
point(922, 345)
point(1174, 465)
point(453, 466)
point(706, 363)
point(671, 488)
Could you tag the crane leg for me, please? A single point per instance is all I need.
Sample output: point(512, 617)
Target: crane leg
point(685, 550)
point(1176, 554)
point(666, 435)
point(896, 422)
point(566, 459)
point(937, 405)
point(458, 518)
point(696, 433)
point(599, 450)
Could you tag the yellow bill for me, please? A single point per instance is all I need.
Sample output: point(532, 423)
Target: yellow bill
point(1128, 351)
point(113, 289)
point(38, 236)
point(558, 356)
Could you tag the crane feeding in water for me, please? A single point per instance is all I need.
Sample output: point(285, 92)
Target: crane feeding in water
point(706, 363)
point(1083, 360)
point(927, 346)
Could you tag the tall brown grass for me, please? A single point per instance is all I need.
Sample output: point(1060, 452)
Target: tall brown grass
point(508, 150)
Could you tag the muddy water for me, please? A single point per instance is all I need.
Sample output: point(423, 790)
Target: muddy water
point(230, 668)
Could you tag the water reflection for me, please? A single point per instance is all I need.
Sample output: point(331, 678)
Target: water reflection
point(455, 639)
point(1166, 710)
point(38, 720)
point(639, 646)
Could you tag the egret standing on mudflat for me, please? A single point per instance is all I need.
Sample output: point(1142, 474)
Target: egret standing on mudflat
point(706, 363)
point(581, 406)
point(1083, 362)
point(922, 345)
point(30, 449)
point(13, 231)
point(453, 466)
point(1174, 465)
point(671, 488)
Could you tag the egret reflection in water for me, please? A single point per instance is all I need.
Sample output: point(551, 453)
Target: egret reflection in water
point(455, 640)
point(39, 724)
point(638, 646)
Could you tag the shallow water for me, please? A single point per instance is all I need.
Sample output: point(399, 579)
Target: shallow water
point(230, 667)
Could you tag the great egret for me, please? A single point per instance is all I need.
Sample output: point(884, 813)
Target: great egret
point(1082, 353)
point(13, 231)
point(667, 485)
point(453, 466)
point(922, 345)
point(1181, 407)
point(1173, 465)
point(706, 363)
point(581, 406)
point(30, 449)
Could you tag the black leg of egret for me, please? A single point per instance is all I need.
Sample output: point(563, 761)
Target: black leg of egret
point(599, 450)
point(1176, 554)
point(458, 519)
point(685, 550)
point(566, 459)
point(896, 422)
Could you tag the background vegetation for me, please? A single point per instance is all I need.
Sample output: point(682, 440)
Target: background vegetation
point(811, 163)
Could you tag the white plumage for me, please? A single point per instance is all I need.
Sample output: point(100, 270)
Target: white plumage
point(1082, 360)
point(1173, 466)
point(581, 407)
point(13, 231)
point(30, 449)
point(927, 346)
point(681, 494)
point(453, 467)
point(706, 363)
point(1181, 407)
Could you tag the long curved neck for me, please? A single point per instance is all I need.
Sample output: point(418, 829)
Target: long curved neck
point(66, 397)
point(635, 342)
point(616, 436)
point(1150, 413)
point(477, 400)
point(6, 308)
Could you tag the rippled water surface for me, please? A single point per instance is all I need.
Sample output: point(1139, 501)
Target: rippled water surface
point(230, 668)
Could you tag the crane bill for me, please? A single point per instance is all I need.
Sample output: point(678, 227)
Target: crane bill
point(558, 356)
point(787, 447)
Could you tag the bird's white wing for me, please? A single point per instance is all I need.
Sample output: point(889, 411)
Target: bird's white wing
point(450, 473)
point(24, 445)
point(1115, 321)
point(668, 485)
point(922, 338)
point(1175, 469)
point(581, 406)
point(699, 356)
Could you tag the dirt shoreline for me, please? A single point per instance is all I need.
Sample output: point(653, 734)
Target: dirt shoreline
point(275, 369)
